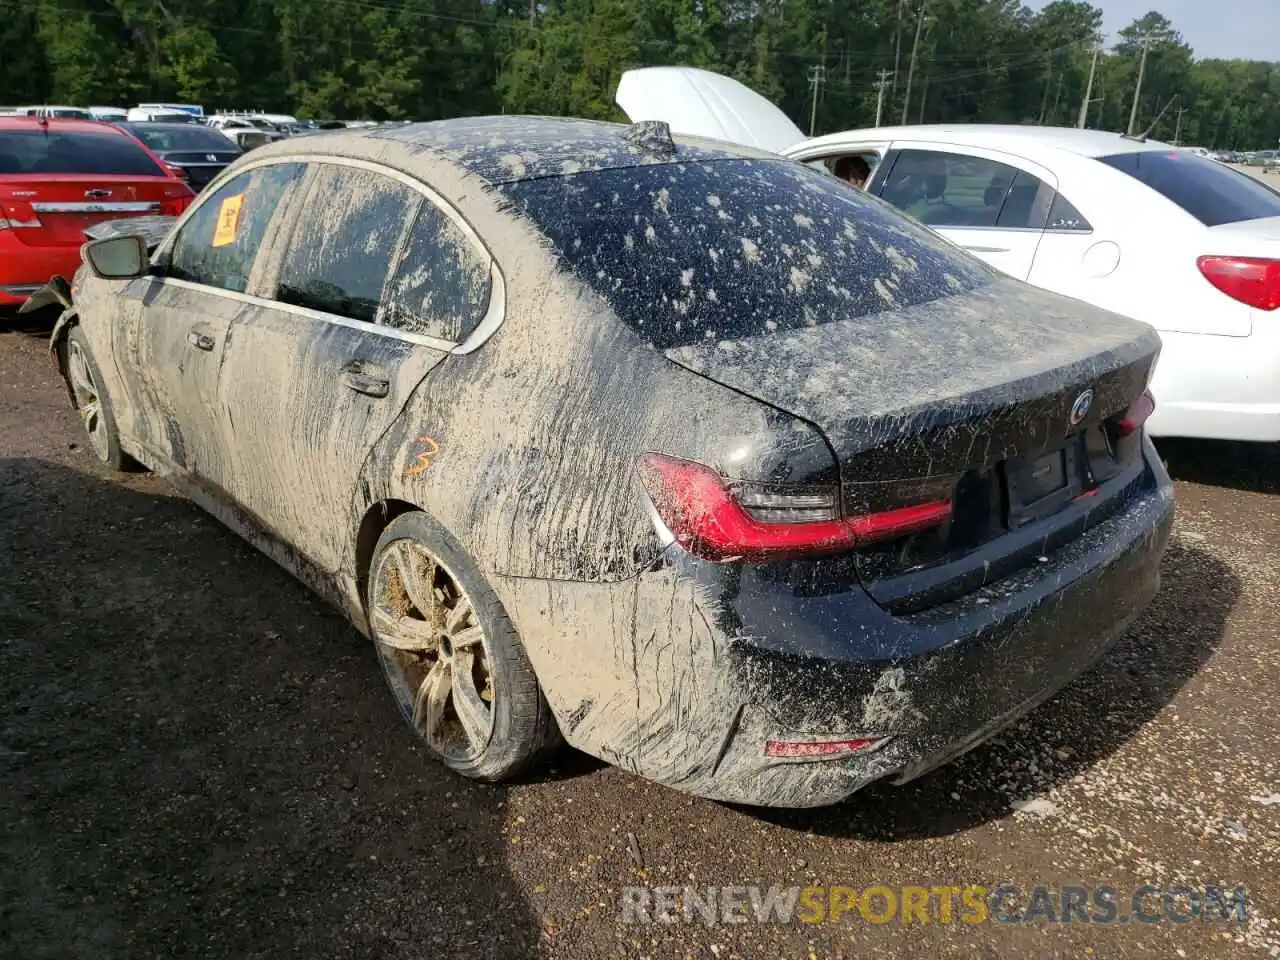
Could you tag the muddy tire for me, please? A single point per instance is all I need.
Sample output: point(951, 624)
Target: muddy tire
point(452, 656)
point(88, 395)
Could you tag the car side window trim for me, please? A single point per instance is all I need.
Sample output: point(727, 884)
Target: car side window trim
point(488, 324)
point(252, 299)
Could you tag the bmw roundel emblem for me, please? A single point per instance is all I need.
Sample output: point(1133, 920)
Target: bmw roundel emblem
point(1080, 409)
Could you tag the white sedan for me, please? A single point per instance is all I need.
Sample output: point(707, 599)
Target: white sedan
point(1138, 227)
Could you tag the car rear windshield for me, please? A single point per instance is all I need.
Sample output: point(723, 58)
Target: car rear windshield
point(193, 137)
point(34, 151)
point(726, 249)
point(1207, 190)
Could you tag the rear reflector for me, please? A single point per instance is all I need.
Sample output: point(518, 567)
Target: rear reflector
point(1131, 421)
point(792, 749)
point(33, 223)
point(1250, 280)
point(706, 518)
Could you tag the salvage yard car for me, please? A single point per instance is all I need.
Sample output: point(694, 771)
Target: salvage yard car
point(1148, 230)
point(58, 177)
point(691, 456)
point(197, 152)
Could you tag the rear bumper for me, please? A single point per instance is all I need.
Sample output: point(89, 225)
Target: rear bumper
point(1224, 388)
point(25, 268)
point(706, 676)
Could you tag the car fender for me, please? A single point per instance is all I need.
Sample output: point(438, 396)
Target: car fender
point(61, 330)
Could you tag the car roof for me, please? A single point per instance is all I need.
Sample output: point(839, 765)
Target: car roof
point(1027, 138)
point(506, 149)
point(61, 124)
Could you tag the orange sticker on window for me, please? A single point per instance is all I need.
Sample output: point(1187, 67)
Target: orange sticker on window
point(228, 218)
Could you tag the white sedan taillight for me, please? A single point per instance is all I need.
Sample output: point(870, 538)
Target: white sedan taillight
point(1251, 280)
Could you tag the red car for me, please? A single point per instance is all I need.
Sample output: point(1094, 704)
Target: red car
point(59, 176)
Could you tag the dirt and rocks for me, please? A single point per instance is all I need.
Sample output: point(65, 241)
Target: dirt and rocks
point(199, 759)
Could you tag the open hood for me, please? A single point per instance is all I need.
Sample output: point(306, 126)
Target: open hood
point(704, 104)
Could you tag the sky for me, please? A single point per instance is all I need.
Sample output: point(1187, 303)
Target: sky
point(1216, 29)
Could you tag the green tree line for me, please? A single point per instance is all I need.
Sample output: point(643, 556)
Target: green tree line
point(825, 61)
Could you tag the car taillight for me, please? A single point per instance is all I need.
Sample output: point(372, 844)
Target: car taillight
point(818, 749)
point(8, 224)
point(177, 171)
point(1251, 280)
point(722, 521)
point(1131, 421)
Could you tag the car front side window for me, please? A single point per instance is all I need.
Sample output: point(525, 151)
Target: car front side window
point(441, 287)
point(219, 242)
point(342, 248)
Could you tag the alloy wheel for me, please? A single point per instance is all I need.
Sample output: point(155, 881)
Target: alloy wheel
point(433, 649)
point(88, 399)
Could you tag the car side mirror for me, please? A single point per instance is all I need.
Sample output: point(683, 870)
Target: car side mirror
point(117, 258)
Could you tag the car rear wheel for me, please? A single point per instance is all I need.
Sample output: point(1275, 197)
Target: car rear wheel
point(91, 402)
point(452, 656)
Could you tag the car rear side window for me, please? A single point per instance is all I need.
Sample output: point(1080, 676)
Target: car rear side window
point(345, 242)
point(37, 152)
point(1207, 190)
point(721, 250)
point(441, 286)
point(219, 243)
point(1064, 216)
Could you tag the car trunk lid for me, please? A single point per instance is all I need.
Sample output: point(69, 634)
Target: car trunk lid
point(705, 104)
point(57, 210)
point(1001, 400)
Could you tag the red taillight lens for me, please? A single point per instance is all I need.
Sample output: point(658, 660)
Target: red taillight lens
point(1131, 421)
point(713, 520)
point(177, 171)
point(1250, 280)
point(801, 749)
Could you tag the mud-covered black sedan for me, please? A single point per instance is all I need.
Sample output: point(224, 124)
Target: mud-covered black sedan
point(693, 457)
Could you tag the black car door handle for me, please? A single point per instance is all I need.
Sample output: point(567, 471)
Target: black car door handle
point(357, 378)
point(201, 341)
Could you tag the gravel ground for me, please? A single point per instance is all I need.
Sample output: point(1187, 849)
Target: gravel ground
point(198, 759)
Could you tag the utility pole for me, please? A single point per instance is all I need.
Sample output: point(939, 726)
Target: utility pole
point(1177, 126)
point(1088, 90)
point(881, 84)
point(897, 45)
point(1137, 90)
point(817, 77)
point(911, 71)
point(1048, 82)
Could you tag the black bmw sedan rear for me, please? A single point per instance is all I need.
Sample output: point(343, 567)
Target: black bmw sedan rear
point(199, 152)
point(956, 513)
